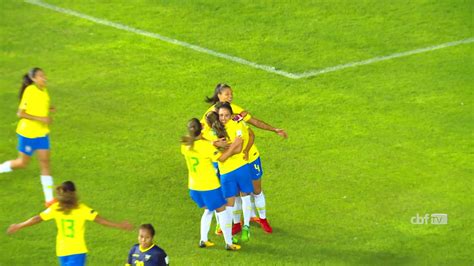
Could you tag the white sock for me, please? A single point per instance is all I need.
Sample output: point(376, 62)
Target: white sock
point(253, 211)
point(225, 221)
point(6, 167)
point(47, 182)
point(217, 217)
point(237, 210)
point(260, 204)
point(247, 208)
point(205, 224)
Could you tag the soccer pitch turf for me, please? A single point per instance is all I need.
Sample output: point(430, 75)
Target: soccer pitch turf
point(369, 147)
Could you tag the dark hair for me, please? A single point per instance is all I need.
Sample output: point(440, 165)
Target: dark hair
point(224, 105)
point(67, 197)
point(212, 119)
point(148, 227)
point(28, 80)
point(218, 90)
point(194, 130)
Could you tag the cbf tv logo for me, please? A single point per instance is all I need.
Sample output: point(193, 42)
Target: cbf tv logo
point(435, 218)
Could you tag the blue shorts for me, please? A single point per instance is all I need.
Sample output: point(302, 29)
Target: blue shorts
point(29, 146)
point(256, 169)
point(211, 199)
point(73, 260)
point(237, 180)
point(216, 166)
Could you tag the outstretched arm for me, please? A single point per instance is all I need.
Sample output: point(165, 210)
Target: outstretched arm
point(122, 225)
point(265, 126)
point(32, 221)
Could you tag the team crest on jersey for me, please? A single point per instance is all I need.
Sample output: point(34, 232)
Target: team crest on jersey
point(147, 257)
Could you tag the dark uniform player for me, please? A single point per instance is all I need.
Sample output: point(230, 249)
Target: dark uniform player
point(146, 253)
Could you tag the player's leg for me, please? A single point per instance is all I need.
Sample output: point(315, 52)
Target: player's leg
point(260, 204)
point(237, 213)
point(46, 178)
point(225, 220)
point(21, 162)
point(246, 187)
point(205, 226)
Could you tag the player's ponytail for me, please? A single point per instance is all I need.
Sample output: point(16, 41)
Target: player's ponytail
point(218, 90)
point(212, 119)
point(194, 130)
point(27, 80)
point(67, 197)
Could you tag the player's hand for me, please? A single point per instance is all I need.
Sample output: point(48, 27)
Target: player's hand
point(281, 132)
point(246, 155)
point(47, 120)
point(12, 229)
point(125, 225)
point(221, 143)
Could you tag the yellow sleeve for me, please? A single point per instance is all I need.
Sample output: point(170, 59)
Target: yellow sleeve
point(88, 213)
point(47, 214)
point(237, 110)
point(212, 152)
point(25, 99)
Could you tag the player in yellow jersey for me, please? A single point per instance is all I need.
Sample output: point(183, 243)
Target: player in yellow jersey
point(204, 186)
point(224, 93)
point(235, 172)
point(33, 129)
point(70, 217)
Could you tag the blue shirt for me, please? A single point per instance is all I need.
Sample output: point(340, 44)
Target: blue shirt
point(152, 256)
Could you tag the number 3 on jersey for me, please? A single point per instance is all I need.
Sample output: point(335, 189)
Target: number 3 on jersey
point(68, 227)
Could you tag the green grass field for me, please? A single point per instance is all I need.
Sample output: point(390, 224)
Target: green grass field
point(369, 147)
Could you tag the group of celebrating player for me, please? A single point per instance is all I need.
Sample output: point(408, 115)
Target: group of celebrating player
point(225, 169)
point(224, 175)
point(70, 215)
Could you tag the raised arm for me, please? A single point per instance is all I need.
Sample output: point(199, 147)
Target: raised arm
point(265, 126)
point(16, 227)
point(22, 114)
point(122, 225)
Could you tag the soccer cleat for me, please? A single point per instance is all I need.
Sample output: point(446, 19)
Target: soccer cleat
point(266, 226)
point(51, 202)
point(245, 233)
point(232, 247)
point(206, 244)
point(255, 220)
point(235, 240)
point(236, 228)
point(218, 230)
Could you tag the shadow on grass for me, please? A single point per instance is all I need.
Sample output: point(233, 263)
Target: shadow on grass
point(289, 248)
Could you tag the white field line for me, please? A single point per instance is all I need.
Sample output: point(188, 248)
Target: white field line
point(238, 59)
point(382, 58)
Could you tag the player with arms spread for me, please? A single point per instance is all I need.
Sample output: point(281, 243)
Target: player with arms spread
point(70, 217)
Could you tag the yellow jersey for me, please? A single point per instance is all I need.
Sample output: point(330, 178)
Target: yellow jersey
point(70, 237)
point(253, 152)
point(235, 129)
point(235, 109)
point(201, 174)
point(35, 102)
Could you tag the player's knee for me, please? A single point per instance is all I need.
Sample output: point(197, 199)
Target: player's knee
point(21, 163)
